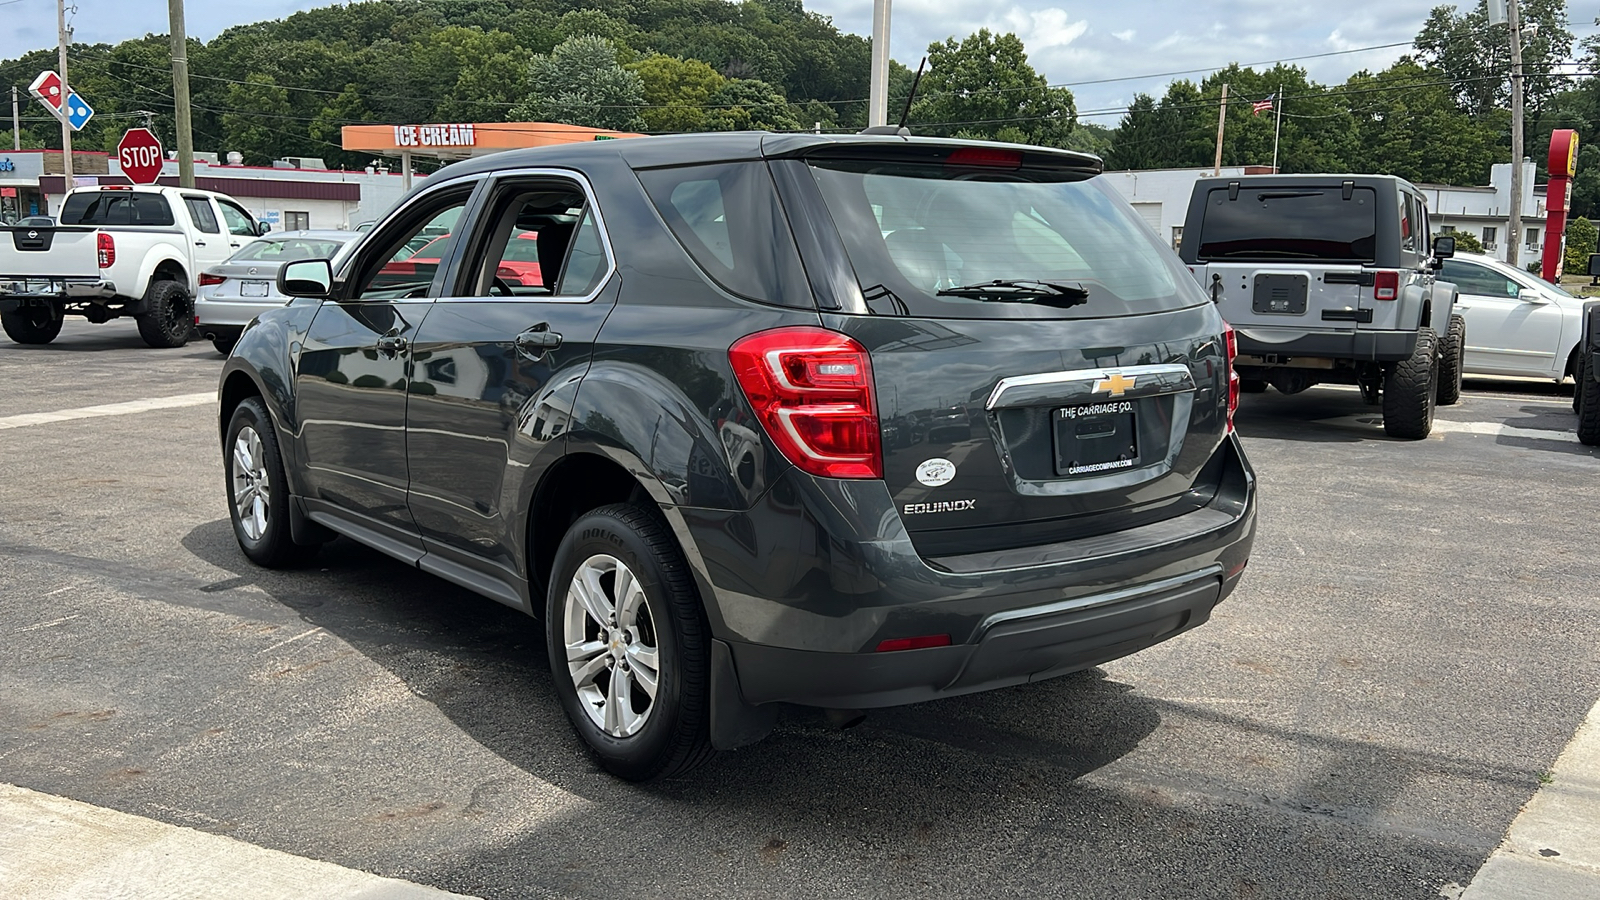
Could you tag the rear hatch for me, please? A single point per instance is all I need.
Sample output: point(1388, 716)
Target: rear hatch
point(1082, 394)
point(1291, 259)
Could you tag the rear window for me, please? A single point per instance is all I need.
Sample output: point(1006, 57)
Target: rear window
point(728, 217)
point(116, 208)
point(1290, 223)
point(287, 250)
point(913, 229)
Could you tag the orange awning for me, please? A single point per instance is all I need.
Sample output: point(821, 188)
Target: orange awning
point(459, 140)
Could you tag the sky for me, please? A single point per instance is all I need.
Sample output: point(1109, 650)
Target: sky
point(1071, 43)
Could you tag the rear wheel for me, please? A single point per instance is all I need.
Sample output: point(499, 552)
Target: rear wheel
point(37, 324)
point(1252, 386)
point(1450, 349)
point(168, 317)
point(224, 345)
point(1587, 396)
point(1410, 390)
point(629, 646)
point(258, 492)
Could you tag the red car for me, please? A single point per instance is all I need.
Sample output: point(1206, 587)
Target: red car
point(519, 266)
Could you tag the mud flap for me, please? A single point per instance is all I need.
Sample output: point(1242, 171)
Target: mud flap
point(734, 723)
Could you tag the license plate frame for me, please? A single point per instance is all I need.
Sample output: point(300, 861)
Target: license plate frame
point(254, 289)
point(1095, 439)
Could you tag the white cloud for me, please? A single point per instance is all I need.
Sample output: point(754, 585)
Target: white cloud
point(1123, 36)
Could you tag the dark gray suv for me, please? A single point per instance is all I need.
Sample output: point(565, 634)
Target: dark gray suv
point(846, 422)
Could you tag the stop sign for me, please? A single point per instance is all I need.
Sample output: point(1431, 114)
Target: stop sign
point(140, 155)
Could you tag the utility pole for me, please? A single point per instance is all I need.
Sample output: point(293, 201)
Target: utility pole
point(878, 94)
point(16, 121)
point(1277, 130)
point(1514, 239)
point(180, 93)
point(1222, 121)
point(64, 38)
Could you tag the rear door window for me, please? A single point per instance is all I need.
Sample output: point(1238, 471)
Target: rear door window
point(916, 232)
point(1289, 223)
point(729, 220)
point(117, 208)
point(200, 213)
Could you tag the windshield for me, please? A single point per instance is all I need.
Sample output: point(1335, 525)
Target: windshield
point(1290, 223)
point(913, 230)
point(289, 250)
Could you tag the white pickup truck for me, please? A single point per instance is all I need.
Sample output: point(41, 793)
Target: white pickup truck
point(118, 251)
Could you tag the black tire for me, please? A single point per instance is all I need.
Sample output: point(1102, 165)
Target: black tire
point(1410, 390)
point(675, 735)
point(32, 324)
point(224, 345)
point(274, 546)
point(168, 318)
point(1587, 396)
point(1252, 386)
point(1450, 349)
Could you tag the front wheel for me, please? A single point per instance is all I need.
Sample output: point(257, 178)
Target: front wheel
point(1450, 350)
point(38, 324)
point(629, 645)
point(258, 492)
point(1587, 398)
point(1410, 390)
point(168, 317)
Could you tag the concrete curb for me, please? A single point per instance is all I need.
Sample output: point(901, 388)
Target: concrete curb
point(60, 849)
point(1552, 850)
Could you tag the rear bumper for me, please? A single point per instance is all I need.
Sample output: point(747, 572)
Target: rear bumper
point(1366, 345)
point(14, 288)
point(233, 314)
point(804, 587)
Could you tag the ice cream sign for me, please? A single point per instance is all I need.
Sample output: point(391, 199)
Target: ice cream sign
point(434, 136)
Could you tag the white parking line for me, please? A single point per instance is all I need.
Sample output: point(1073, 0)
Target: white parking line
point(108, 409)
point(1499, 430)
point(53, 847)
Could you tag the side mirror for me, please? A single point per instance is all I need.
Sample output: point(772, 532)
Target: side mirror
point(306, 278)
point(1444, 246)
point(1594, 265)
point(263, 228)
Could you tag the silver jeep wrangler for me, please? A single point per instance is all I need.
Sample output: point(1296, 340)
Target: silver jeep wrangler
point(1331, 279)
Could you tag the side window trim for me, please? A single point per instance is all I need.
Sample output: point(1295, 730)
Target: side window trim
point(490, 185)
point(346, 277)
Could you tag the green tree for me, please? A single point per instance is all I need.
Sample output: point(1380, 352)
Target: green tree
point(677, 91)
point(255, 123)
point(746, 104)
point(1475, 56)
point(580, 83)
point(1467, 242)
point(1581, 239)
point(983, 85)
point(1409, 126)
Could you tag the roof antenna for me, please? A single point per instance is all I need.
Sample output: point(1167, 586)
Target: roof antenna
point(900, 130)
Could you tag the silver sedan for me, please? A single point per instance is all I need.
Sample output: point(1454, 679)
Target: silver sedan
point(235, 292)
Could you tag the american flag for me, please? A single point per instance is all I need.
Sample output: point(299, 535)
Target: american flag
point(1261, 106)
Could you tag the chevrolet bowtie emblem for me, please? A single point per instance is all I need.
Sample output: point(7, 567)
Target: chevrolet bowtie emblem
point(1117, 383)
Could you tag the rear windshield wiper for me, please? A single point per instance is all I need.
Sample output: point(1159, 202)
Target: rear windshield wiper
point(1004, 290)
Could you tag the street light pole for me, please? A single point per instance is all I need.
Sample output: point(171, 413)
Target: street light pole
point(180, 93)
point(66, 130)
point(878, 94)
point(1515, 237)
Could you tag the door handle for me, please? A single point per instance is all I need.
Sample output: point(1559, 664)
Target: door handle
point(538, 340)
point(392, 345)
point(199, 243)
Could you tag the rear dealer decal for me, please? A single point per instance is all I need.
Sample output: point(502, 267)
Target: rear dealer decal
point(917, 509)
point(1096, 409)
point(936, 471)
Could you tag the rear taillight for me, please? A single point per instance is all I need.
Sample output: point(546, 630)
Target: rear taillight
point(1385, 284)
point(914, 643)
point(812, 390)
point(207, 279)
point(107, 250)
point(1231, 341)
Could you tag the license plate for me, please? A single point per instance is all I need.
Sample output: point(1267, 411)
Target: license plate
point(1097, 438)
point(253, 289)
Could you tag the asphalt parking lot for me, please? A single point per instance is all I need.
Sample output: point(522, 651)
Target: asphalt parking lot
point(1413, 644)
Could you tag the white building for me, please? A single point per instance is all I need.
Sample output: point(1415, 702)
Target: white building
point(291, 194)
point(1161, 197)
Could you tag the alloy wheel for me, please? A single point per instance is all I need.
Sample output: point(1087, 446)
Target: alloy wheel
point(611, 645)
point(251, 487)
